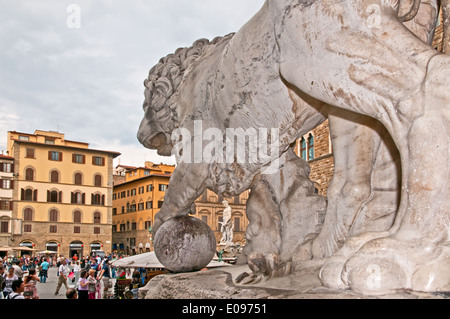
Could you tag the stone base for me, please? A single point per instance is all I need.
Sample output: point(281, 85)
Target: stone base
point(219, 284)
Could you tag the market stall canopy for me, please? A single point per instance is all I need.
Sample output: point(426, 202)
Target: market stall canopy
point(149, 260)
point(47, 252)
point(5, 248)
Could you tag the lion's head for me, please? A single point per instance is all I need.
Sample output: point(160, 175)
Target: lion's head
point(161, 95)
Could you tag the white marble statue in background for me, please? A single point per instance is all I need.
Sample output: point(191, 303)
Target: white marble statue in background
point(227, 225)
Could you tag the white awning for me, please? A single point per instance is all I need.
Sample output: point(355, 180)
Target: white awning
point(149, 260)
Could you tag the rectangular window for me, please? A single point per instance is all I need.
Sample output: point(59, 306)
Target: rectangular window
point(78, 158)
point(55, 156)
point(53, 229)
point(122, 194)
point(114, 228)
point(122, 227)
point(5, 167)
point(4, 227)
point(24, 138)
point(149, 205)
point(163, 187)
point(149, 188)
point(133, 226)
point(96, 230)
point(5, 184)
point(133, 192)
point(76, 229)
point(30, 153)
point(5, 205)
point(160, 203)
point(114, 211)
point(27, 228)
point(141, 206)
point(98, 160)
point(49, 141)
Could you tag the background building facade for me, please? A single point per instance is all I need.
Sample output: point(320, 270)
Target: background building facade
point(139, 194)
point(7, 223)
point(62, 193)
point(315, 148)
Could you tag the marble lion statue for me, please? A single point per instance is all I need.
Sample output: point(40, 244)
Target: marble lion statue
point(369, 68)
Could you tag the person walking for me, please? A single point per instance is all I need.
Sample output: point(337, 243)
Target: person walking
point(76, 271)
point(17, 265)
point(63, 271)
point(92, 284)
point(105, 274)
point(10, 277)
point(30, 283)
point(83, 285)
point(43, 273)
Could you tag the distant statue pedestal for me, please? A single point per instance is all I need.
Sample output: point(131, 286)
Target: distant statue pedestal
point(228, 252)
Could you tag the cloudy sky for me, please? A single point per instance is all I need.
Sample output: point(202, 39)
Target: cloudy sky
point(77, 66)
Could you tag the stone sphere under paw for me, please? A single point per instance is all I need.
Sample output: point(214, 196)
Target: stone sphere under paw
point(184, 243)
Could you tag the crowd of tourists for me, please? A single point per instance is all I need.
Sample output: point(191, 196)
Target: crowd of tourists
point(19, 276)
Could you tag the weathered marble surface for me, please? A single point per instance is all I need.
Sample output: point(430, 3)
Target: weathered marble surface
point(387, 95)
point(185, 244)
point(219, 284)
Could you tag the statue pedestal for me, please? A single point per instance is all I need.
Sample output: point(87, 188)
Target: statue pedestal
point(219, 284)
point(230, 251)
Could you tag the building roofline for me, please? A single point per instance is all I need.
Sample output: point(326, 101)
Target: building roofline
point(6, 157)
point(114, 154)
point(143, 177)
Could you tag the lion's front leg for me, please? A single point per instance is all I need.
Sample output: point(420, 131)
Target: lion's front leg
point(186, 184)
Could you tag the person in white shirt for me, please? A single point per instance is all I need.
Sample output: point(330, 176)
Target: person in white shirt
point(63, 273)
point(76, 271)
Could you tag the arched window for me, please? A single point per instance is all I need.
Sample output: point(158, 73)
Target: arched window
point(237, 224)
point(54, 177)
point(97, 218)
point(29, 174)
point(28, 214)
point(53, 215)
point(303, 148)
point(53, 196)
point(77, 216)
point(78, 179)
point(98, 180)
point(28, 194)
point(77, 198)
point(310, 147)
point(96, 199)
